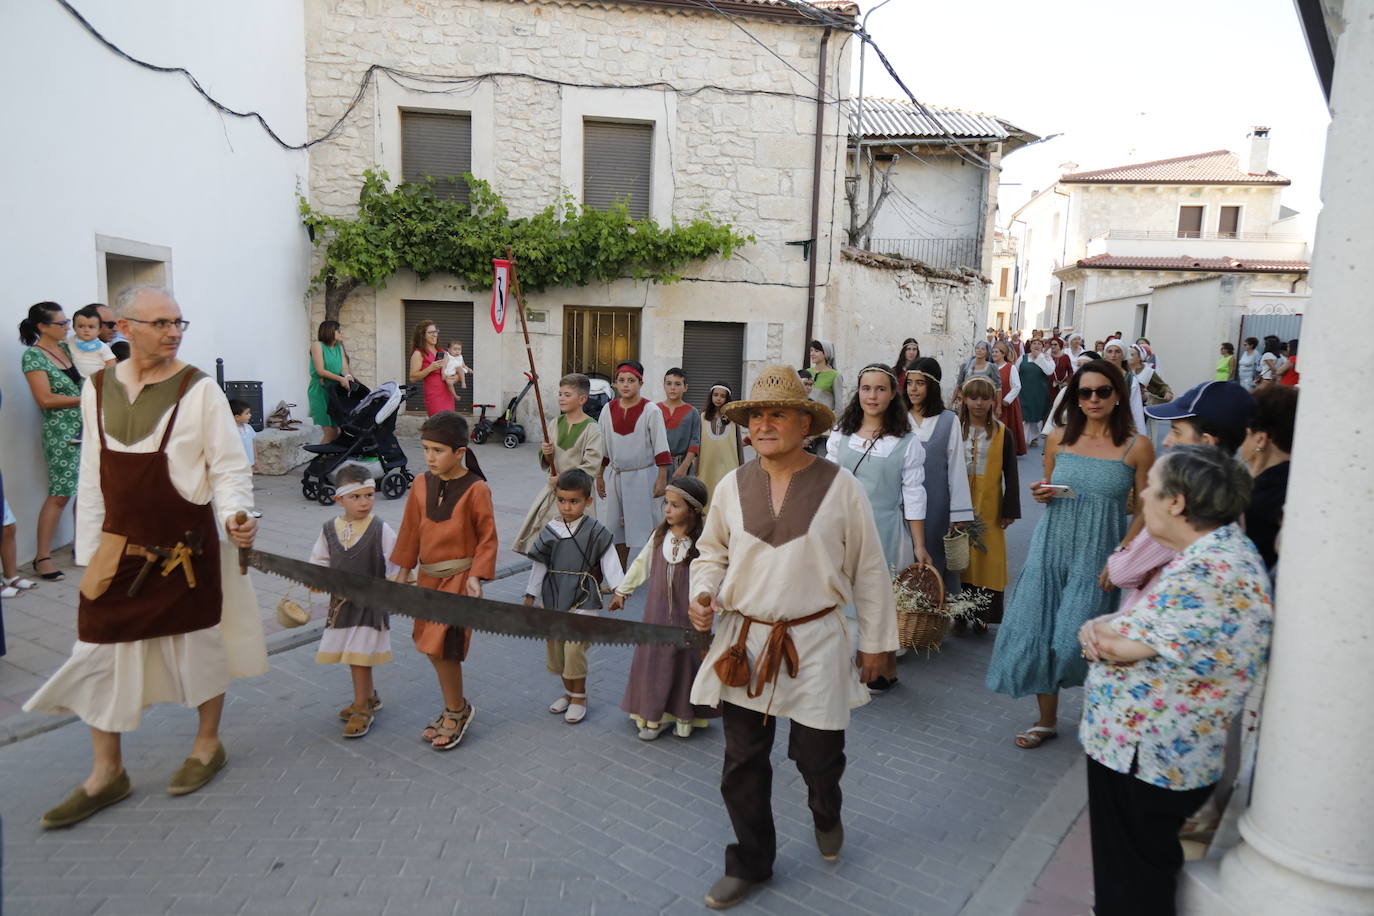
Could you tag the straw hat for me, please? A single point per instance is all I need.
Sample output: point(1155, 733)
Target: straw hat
point(780, 386)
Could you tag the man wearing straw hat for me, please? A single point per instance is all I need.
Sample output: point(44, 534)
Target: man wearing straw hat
point(782, 647)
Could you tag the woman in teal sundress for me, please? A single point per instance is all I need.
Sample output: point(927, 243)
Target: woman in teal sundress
point(328, 367)
point(1098, 454)
point(56, 386)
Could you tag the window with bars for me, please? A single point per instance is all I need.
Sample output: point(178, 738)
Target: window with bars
point(617, 165)
point(596, 340)
point(438, 146)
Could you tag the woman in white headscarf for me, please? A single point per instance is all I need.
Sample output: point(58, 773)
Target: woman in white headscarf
point(1114, 352)
point(827, 383)
point(1077, 345)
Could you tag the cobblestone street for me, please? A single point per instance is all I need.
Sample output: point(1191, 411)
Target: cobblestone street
point(529, 815)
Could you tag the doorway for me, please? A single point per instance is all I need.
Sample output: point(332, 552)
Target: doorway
point(596, 340)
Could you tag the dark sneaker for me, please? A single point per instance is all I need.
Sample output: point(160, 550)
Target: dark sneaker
point(80, 806)
point(729, 891)
point(882, 685)
point(830, 841)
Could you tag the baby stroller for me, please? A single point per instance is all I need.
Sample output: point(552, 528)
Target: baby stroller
point(601, 394)
point(505, 426)
point(367, 436)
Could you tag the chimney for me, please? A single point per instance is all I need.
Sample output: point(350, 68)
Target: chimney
point(1259, 151)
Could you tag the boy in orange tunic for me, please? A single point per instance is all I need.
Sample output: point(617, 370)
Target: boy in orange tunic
point(449, 529)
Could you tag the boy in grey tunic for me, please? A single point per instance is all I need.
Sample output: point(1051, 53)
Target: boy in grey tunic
point(567, 553)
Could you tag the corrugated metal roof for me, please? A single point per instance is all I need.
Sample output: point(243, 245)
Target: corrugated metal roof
point(1215, 167)
point(1223, 265)
point(903, 120)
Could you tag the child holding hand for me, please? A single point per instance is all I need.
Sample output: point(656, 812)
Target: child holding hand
point(567, 555)
point(449, 530)
point(660, 687)
point(356, 635)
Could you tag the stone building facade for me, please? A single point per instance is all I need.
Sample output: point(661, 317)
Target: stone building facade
point(733, 133)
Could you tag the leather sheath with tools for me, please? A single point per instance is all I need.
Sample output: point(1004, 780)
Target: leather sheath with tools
point(482, 614)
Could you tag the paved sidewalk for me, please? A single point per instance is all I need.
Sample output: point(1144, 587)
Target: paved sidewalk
point(529, 815)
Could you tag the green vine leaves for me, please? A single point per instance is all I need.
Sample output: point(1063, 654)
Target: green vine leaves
point(564, 245)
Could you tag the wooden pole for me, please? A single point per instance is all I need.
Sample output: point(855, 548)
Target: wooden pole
point(524, 329)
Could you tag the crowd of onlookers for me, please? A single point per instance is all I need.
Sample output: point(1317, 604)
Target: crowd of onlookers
point(1148, 578)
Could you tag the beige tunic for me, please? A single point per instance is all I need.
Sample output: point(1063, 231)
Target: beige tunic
point(822, 551)
point(585, 452)
point(110, 684)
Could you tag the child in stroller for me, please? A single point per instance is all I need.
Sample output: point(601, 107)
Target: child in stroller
point(367, 434)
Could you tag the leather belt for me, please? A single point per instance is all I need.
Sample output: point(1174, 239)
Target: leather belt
point(733, 667)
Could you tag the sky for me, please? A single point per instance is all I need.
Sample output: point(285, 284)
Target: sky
point(1121, 81)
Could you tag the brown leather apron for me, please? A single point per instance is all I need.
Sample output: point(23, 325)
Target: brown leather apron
point(144, 514)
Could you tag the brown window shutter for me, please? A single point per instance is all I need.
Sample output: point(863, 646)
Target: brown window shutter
point(712, 354)
point(1190, 222)
point(617, 160)
point(437, 146)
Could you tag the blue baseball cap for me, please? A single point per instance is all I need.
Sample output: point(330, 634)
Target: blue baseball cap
point(1215, 402)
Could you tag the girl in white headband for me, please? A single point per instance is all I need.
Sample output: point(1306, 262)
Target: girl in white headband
point(721, 451)
point(356, 635)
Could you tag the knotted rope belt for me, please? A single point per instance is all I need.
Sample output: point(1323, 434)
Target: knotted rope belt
point(733, 667)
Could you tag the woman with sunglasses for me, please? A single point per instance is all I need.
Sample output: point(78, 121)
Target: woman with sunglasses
point(1091, 465)
point(56, 386)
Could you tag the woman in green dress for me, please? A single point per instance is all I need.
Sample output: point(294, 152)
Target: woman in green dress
point(328, 366)
point(56, 386)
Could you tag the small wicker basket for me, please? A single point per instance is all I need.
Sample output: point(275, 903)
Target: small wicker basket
point(918, 629)
point(956, 550)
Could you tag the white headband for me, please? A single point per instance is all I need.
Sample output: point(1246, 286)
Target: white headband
point(353, 488)
point(691, 500)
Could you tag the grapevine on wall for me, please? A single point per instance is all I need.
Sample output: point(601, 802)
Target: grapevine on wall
point(565, 244)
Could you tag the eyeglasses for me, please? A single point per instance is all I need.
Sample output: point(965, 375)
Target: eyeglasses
point(1102, 392)
point(162, 325)
point(57, 324)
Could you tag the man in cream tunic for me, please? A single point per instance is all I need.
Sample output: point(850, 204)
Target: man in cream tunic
point(163, 479)
point(789, 540)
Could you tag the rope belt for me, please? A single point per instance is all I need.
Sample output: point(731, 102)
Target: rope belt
point(446, 568)
point(585, 580)
point(733, 667)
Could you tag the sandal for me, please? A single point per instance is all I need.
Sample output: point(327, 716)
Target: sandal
point(55, 576)
point(374, 703)
point(359, 721)
point(446, 737)
point(1035, 736)
point(432, 729)
point(560, 705)
point(576, 712)
point(7, 593)
point(20, 583)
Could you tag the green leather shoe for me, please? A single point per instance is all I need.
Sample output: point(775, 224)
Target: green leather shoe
point(194, 774)
point(728, 891)
point(80, 806)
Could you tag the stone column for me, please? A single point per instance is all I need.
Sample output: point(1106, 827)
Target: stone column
point(1308, 838)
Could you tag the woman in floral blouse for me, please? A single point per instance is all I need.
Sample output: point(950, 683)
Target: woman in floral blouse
point(1167, 676)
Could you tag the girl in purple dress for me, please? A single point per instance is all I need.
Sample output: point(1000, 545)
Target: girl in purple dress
point(659, 692)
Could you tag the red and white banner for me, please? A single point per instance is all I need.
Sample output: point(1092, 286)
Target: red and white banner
point(500, 292)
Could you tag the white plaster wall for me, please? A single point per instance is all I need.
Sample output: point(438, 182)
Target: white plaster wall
point(102, 147)
point(1188, 322)
point(1155, 208)
point(872, 310)
point(1244, 249)
point(1039, 253)
point(745, 159)
point(946, 199)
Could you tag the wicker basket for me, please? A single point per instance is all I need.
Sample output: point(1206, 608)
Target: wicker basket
point(956, 551)
point(922, 630)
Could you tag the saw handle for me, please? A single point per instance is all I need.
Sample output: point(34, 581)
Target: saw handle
point(241, 518)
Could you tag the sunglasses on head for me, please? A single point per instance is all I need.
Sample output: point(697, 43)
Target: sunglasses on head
point(1102, 392)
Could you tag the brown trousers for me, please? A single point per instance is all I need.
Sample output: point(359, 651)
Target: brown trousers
point(746, 784)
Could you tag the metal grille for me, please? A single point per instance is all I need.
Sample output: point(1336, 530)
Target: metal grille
point(712, 353)
point(617, 163)
point(455, 323)
point(595, 340)
point(934, 252)
point(437, 146)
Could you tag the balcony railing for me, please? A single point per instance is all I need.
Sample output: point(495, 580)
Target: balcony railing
point(935, 252)
point(1161, 234)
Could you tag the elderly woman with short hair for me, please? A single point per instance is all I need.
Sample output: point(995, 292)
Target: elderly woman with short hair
point(1167, 677)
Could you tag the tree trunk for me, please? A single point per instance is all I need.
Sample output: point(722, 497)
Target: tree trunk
point(335, 293)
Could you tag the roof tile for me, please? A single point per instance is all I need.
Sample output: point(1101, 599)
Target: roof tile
point(1184, 262)
point(1215, 167)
